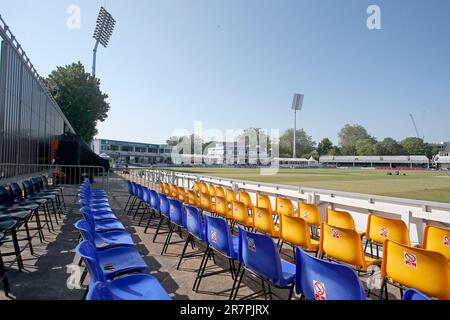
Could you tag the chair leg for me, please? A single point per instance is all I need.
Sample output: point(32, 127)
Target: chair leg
point(3, 275)
point(188, 239)
point(166, 243)
point(200, 268)
point(17, 252)
point(202, 273)
point(39, 225)
point(126, 205)
point(291, 292)
point(28, 236)
point(239, 283)
point(158, 228)
point(236, 279)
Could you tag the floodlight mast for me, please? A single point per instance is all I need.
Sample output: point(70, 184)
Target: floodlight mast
point(297, 105)
point(103, 31)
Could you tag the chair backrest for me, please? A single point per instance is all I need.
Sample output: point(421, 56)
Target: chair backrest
point(221, 207)
point(176, 211)
point(135, 189)
point(181, 194)
point(145, 194)
point(381, 228)
point(218, 234)
point(37, 184)
point(341, 219)
point(167, 189)
point(263, 220)
point(16, 192)
point(310, 212)
point(5, 197)
point(99, 292)
point(212, 190)
point(259, 253)
point(196, 186)
point(413, 294)
point(155, 203)
point(245, 198)
point(206, 202)
point(220, 192)
point(204, 187)
point(194, 222)
point(173, 191)
point(164, 207)
point(192, 198)
point(162, 187)
point(424, 270)
point(318, 279)
point(86, 212)
point(87, 251)
point(343, 245)
point(86, 230)
point(263, 201)
point(28, 188)
point(295, 231)
point(130, 187)
point(230, 195)
point(437, 239)
point(285, 207)
point(239, 212)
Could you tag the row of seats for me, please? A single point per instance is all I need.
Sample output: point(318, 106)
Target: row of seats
point(187, 209)
point(116, 269)
point(37, 204)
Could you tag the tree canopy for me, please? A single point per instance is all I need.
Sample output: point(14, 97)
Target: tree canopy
point(79, 96)
point(351, 134)
point(305, 144)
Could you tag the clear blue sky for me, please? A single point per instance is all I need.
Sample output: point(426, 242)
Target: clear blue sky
point(236, 64)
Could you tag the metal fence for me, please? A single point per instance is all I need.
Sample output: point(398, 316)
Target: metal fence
point(416, 214)
point(29, 117)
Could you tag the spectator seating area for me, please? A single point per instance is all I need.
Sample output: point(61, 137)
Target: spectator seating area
point(29, 209)
point(115, 268)
point(329, 255)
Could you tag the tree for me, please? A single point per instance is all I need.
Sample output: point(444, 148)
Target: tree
point(79, 96)
point(335, 151)
point(415, 146)
point(389, 147)
point(365, 147)
point(304, 144)
point(173, 141)
point(324, 147)
point(351, 134)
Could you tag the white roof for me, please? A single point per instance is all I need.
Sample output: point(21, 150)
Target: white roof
point(445, 159)
point(374, 159)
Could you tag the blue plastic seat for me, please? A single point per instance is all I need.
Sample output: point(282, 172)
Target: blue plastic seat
point(98, 216)
point(176, 220)
point(129, 287)
point(104, 240)
point(318, 279)
point(413, 294)
point(259, 254)
point(112, 262)
point(219, 240)
point(102, 225)
point(164, 209)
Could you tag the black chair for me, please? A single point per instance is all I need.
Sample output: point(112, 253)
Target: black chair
point(38, 184)
point(3, 277)
point(10, 226)
point(32, 194)
point(19, 200)
point(60, 189)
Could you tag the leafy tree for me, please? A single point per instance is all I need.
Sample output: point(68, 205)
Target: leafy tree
point(415, 146)
point(79, 96)
point(335, 151)
point(389, 147)
point(351, 134)
point(173, 141)
point(349, 150)
point(325, 147)
point(304, 144)
point(365, 147)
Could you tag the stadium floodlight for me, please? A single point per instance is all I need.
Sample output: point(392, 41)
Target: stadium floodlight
point(297, 105)
point(103, 31)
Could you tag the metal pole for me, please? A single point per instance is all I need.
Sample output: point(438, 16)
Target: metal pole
point(294, 148)
point(94, 60)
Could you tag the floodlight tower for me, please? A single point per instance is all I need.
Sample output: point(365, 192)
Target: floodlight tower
point(102, 33)
point(297, 105)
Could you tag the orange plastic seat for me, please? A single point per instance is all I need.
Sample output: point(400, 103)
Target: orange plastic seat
point(285, 207)
point(246, 199)
point(191, 198)
point(181, 193)
point(437, 239)
point(239, 212)
point(204, 187)
point(212, 191)
point(221, 207)
point(344, 245)
point(424, 270)
point(295, 231)
point(206, 202)
point(263, 222)
point(263, 201)
point(342, 219)
point(310, 213)
point(220, 192)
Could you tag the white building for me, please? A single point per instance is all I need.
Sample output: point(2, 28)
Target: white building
point(442, 162)
point(296, 163)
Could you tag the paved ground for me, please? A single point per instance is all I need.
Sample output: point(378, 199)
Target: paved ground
point(47, 271)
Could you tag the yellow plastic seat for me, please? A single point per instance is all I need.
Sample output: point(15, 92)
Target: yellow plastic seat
point(310, 213)
point(206, 202)
point(424, 270)
point(230, 195)
point(285, 207)
point(204, 187)
point(344, 245)
point(247, 200)
point(221, 207)
point(166, 189)
point(181, 193)
point(239, 213)
point(196, 186)
point(162, 187)
point(173, 191)
point(220, 192)
point(295, 231)
point(342, 219)
point(263, 222)
point(212, 191)
point(263, 201)
point(191, 198)
point(437, 239)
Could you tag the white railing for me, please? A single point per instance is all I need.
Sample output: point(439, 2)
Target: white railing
point(416, 214)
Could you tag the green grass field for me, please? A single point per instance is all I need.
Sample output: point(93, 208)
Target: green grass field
point(421, 185)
